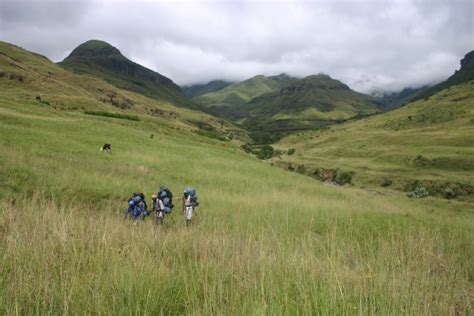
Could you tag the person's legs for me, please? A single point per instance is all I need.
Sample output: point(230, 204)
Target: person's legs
point(189, 214)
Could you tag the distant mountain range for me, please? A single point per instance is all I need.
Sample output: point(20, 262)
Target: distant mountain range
point(273, 106)
point(269, 107)
point(308, 103)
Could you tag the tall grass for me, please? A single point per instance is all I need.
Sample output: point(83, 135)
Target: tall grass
point(66, 259)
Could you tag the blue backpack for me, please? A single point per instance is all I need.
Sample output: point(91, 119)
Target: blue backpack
point(193, 194)
point(166, 197)
point(137, 205)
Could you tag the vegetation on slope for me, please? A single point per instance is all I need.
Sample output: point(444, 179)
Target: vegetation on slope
point(427, 143)
point(104, 61)
point(196, 90)
point(309, 103)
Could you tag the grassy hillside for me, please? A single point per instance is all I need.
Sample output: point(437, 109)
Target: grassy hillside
point(264, 241)
point(239, 93)
point(428, 140)
point(309, 103)
point(199, 89)
point(100, 59)
point(28, 77)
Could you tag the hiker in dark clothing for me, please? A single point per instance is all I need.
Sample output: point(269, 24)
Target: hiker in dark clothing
point(137, 207)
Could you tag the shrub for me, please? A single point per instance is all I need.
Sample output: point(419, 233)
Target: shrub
point(343, 177)
point(450, 193)
point(291, 151)
point(290, 167)
point(265, 152)
point(113, 115)
point(385, 182)
point(211, 134)
point(418, 193)
point(301, 169)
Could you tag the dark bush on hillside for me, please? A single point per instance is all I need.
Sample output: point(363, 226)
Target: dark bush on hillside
point(385, 182)
point(336, 176)
point(261, 151)
point(301, 169)
point(291, 151)
point(113, 115)
point(290, 167)
point(16, 77)
point(421, 161)
point(211, 134)
point(450, 193)
point(343, 177)
point(265, 152)
point(247, 148)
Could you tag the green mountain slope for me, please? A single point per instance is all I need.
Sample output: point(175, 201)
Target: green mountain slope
point(240, 93)
point(34, 79)
point(427, 143)
point(308, 103)
point(464, 74)
point(199, 89)
point(394, 100)
point(100, 59)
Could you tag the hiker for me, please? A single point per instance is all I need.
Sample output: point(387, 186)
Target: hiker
point(158, 207)
point(162, 203)
point(137, 207)
point(106, 148)
point(190, 201)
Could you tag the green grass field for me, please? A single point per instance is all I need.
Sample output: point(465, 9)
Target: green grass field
point(264, 241)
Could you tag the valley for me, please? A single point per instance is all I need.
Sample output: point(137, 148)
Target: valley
point(267, 239)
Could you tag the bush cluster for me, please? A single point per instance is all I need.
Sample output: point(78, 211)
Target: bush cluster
point(261, 151)
point(113, 115)
point(418, 193)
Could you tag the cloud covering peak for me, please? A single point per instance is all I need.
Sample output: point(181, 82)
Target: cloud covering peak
point(370, 45)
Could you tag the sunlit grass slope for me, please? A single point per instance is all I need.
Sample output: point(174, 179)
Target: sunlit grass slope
point(264, 241)
point(428, 140)
point(31, 78)
point(239, 93)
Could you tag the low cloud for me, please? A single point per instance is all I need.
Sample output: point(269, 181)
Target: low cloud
point(370, 45)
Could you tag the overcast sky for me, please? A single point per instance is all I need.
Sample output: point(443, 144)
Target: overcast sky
point(369, 45)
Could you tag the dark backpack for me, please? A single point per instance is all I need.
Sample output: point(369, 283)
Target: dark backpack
point(166, 197)
point(137, 204)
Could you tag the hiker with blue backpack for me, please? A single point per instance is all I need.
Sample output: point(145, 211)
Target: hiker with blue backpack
point(162, 203)
point(190, 202)
point(137, 207)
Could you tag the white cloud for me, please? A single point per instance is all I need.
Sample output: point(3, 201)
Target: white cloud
point(369, 45)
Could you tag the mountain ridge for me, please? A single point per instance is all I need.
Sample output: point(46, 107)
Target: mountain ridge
point(102, 60)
